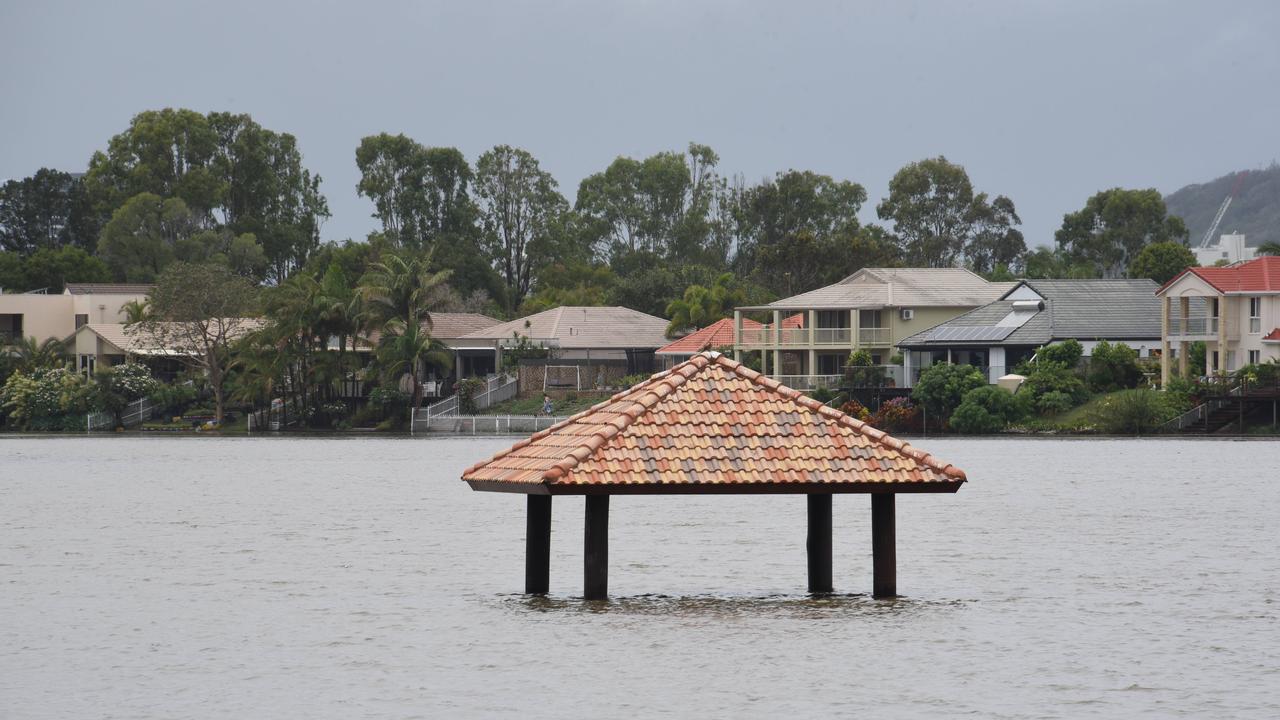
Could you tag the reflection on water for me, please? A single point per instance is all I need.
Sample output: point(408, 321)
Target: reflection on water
point(833, 606)
point(358, 578)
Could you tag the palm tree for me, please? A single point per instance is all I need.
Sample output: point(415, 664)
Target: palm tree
point(31, 354)
point(1271, 247)
point(409, 348)
point(135, 311)
point(402, 286)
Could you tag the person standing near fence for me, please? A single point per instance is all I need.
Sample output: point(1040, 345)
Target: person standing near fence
point(546, 405)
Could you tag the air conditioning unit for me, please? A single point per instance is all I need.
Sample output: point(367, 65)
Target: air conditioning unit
point(907, 314)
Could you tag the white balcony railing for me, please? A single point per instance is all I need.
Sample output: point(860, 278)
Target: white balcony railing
point(1199, 327)
point(874, 336)
point(801, 337)
point(810, 382)
point(832, 336)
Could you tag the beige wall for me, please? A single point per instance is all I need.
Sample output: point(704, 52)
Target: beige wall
point(43, 316)
point(1238, 317)
point(103, 308)
point(54, 316)
point(925, 318)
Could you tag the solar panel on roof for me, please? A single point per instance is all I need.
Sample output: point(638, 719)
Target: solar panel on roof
point(970, 333)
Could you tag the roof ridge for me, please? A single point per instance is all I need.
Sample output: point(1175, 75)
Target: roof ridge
point(645, 396)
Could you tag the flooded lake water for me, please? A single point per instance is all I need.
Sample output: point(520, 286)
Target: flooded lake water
point(359, 578)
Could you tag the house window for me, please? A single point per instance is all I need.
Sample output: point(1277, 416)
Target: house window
point(1255, 356)
point(833, 318)
point(1255, 314)
point(81, 320)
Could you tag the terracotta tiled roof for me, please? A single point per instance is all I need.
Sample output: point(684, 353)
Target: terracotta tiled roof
point(710, 424)
point(716, 335)
point(1273, 336)
point(1260, 275)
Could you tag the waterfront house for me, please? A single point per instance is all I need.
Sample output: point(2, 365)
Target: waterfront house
point(1001, 334)
point(585, 347)
point(870, 310)
point(44, 316)
point(103, 345)
point(716, 336)
point(471, 358)
point(1234, 310)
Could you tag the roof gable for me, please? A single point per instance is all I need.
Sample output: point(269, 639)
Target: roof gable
point(583, 327)
point(1260, 275)
point(710, 422)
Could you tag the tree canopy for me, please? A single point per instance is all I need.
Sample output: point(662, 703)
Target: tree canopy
point(227, 170)
point(1161, 261)
point(941, 220)
point(1113, 227)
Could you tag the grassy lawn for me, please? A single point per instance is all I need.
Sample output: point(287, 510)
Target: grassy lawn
point(533, 406)
point(1093, 413)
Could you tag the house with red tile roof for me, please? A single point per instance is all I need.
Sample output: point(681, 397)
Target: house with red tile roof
point(715, 336)
point(1234, 310)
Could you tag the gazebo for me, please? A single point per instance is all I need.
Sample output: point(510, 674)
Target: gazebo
point(711, 425)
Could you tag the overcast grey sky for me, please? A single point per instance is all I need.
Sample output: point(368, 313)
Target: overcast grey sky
point(1046, 102)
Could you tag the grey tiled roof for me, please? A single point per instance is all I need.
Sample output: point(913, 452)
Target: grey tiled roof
point(583, 327)
point(1080, 309)
point(897, 287)
point(109, 288)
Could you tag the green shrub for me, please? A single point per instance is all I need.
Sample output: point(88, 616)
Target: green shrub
point(860, 371)
point(172, 399)
point(1133, 412)
point(942, 387)
point(1113, 367)
point(973, 419)
point(1048, 377)
point(822, 395)
point(986, 409)
point(1053, 402)
point(468, 388)
point(634, 379)
point(1066, 353)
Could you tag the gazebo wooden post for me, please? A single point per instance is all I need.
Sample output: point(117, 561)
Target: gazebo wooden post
point(883, 551)
point(819, 542)
point(537, 546)
point(596, 548)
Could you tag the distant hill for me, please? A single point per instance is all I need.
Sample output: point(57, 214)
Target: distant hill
point(1255, 211)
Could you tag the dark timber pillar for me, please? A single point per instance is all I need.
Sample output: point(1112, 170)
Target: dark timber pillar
point(819, 542)
point(883, 551)
point(596, 546)
point(537, 546)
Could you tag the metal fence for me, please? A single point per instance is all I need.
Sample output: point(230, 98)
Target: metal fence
point(497, 388)
point(135, 413)
point(485, 424)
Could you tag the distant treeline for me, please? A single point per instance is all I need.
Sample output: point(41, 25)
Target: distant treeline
point(178, 185)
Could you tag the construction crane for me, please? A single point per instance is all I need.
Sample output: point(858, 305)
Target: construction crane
point(1207, 240)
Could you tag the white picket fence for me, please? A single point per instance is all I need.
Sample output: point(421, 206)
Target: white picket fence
point(486, 424)
point(135, 413)
point(497, 388)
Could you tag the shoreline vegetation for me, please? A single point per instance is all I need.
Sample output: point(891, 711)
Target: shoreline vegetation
point(251, 309)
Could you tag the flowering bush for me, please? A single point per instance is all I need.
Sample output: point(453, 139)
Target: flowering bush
point(895, 415)
point(133, 380)
point(853, 408)
point(48, 399)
